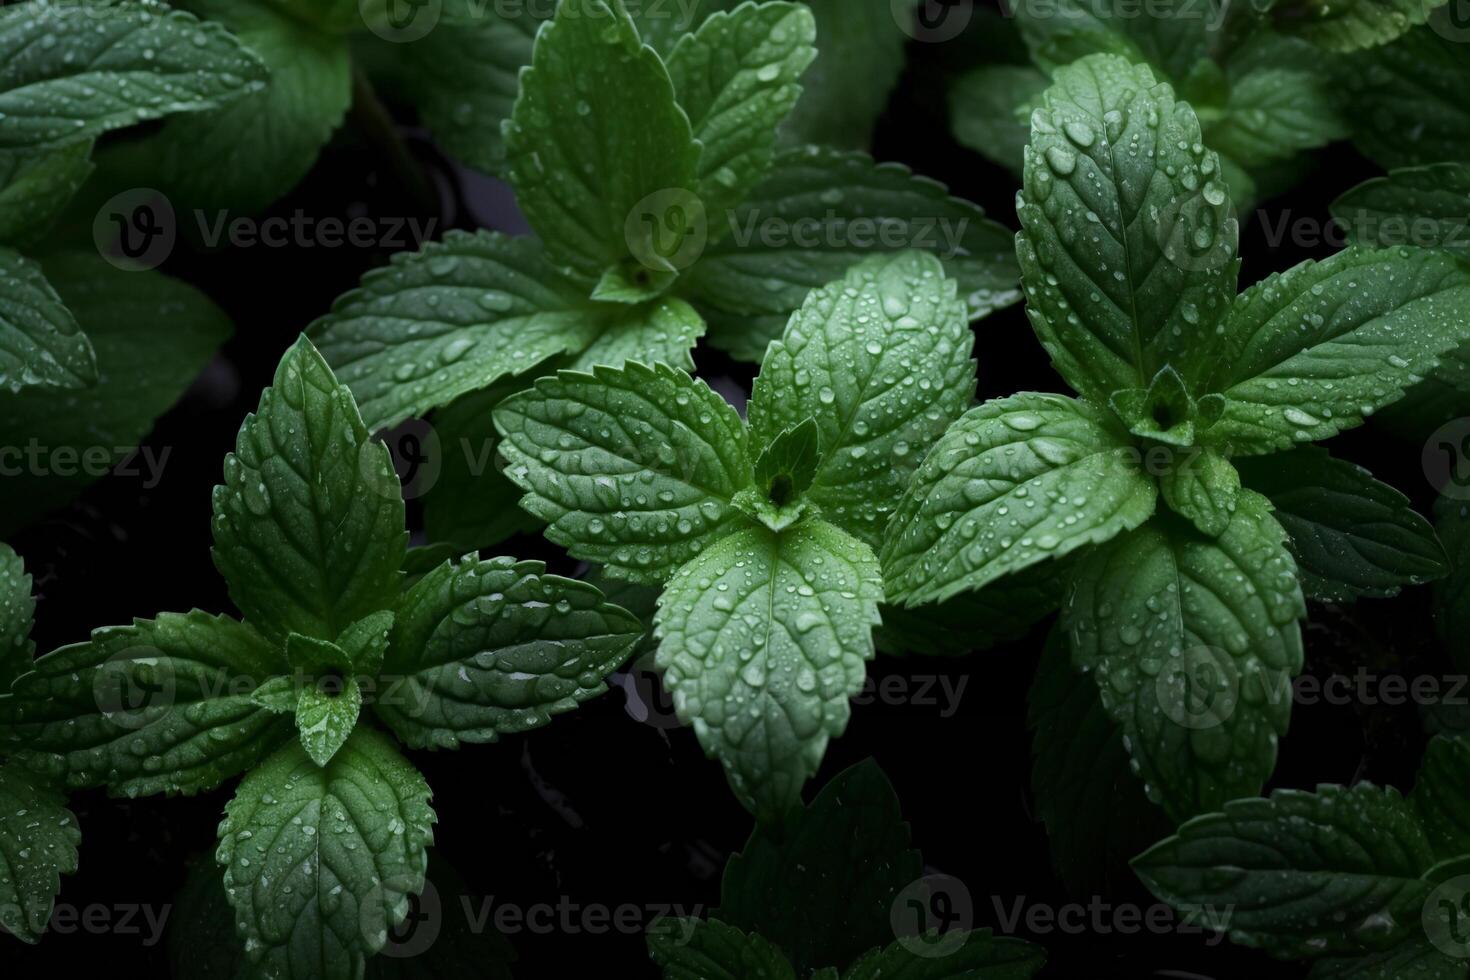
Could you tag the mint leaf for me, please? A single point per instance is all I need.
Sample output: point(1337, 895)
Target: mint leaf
point(736, 77)
point(632, 467)
point(1193, 643)
point(698, 949)
point(881, 360)
point(40, 342)
point(162, 706)
point(804, 603)
point(1312, 351)
point(320, 861)
point(817, 213)
point(582, 177)
point(1128, 238)
point(1422, 206)
point(1172, 37)
point(38, 844)
point(1279, 105)
point(1203, 489)
point(1014, 482)
point(1352, 536)
point(447, 320)
point(152, 336)
point(662, 331)
point(118, 63)
point(326, 714)
point(1301, 874)
point(822, 886)
point(1352, 24)
point(977, 953)
point(17, 615)
point(990, 110)
point(1003, 612)
point(1411, 100)
point(1441, 796)
point(365, 642)
point(1452, 593)
point(787, 466)
point(330, 16)
point(308, 525)
point(35, 187)
point(482, 649)
point(860, 54)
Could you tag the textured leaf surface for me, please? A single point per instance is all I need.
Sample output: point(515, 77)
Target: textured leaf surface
point(632, 467)
point(308, 525)
point(1423, 206)
point(447, 320)
point(1172, 36)
point(74, 71)
point(1280, 104)
point(990, 110)
point(707, 949)
point(17, 615)
point(860, 54)
point(325, 718)
point(1331, 873)
point(1441, 796)
point(162, 706)
point(1350, 25)
point(1202, 488)
point(763, 638)
point(662, 331)
point(38, 844)
point(320, 861)
point(41, 344)
point(882, 361)
point(482, 649)
point(1411, 100)
point(1012, 483)
point(34, 187)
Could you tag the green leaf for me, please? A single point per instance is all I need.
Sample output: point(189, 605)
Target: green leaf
point(822, 886)
point(860, 54)
point(787, 466)
point(1350, 25)
point(1312, 351)
point(38, 844)
point(1003, 612)
point(882, 361)
point(320, 861)
point(1202, 489)
point(35, 187)
point(803, 604)
point(162, 706)
point(17, 616)
point(1193, 643)
point(279, 695)
point(584, 178)
point(696, 949)
point(331, 16)
point(1411, 100)
point(1441, 796)
point(1128, 235)
point(817, 213)
point(41, 344)
point(990, 110)
point(1172, 37)
point(308, 525)
point(977, 954)
point(1416, 957)
point(1013, 483)
point(1352, 536)
point(1301, 874)
point(1423, 206)
point(118, 63)
point(1452, 593)
point(736, 77)
point(631, 467)
point(1078, 758)
point(366, 641)
point(326, 714)
point(1280, 104)
point(452, 318)
point(312, 656)
point(256, 149)
point(663, 331)
point(152, 336)
point(482, 649)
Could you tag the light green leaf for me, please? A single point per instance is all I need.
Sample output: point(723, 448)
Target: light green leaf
point(698, 949)
point(117, 64)
point(38, 844)
point(313, 656)
point(1301, 874)
point(452, 318)
point(787, 466)
point(320, 861)
point(860, 54)
point(736, 77)
point(818, 213)
point(976, 953)
point(1172, 36)
point(662, 331)
point(882, 361)
point(279, 695)
point(763, 638)
point(35, 187)
point(1352, 535)
point(308, 525)
point(1422, 206)
point(632, 467)
point(162, 706)
point(1280, 104)
point(1128, 236)
point(41, 344)
point(17, 615)
point(1312, 351)
point(326, 714)
point(990, 110)
point(1202, 488)
point(1441, 796)
point(1416, 957)
point(1013, 483)
point(1452, 593)
point(594, 134)
point(1193, 643)
point(152, 336)
point(483, 649)
point(1410, 100)
point(1350, 25)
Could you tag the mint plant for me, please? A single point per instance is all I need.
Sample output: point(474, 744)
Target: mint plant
point(1185, 597)
point(327, 832)
point(825, 893)
point(762, 535)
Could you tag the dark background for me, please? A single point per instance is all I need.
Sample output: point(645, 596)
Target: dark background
point(600, 809)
